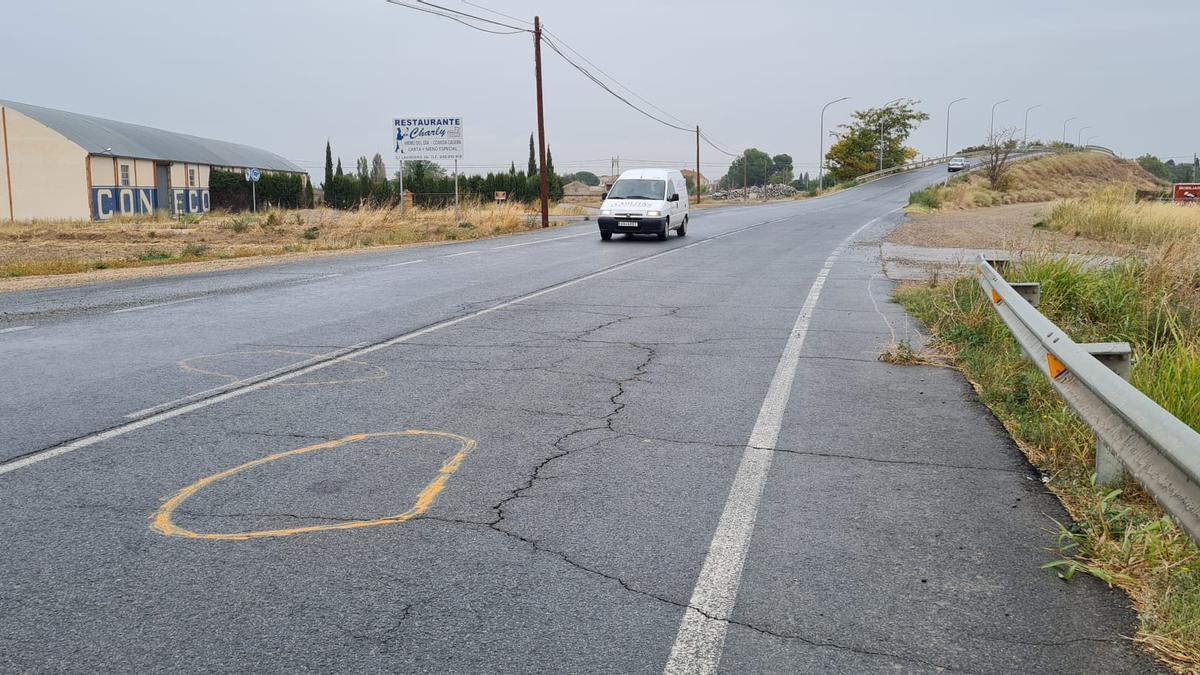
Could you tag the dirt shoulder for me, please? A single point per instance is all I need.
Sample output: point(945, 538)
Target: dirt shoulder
point(1013, 227)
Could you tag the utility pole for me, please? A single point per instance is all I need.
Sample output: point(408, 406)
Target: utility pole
point(821, 157)
point(697, 181)
point(537, 69)
point(948, 124)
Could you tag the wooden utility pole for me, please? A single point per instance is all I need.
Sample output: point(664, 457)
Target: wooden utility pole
point(537, 69)
point(697, 181)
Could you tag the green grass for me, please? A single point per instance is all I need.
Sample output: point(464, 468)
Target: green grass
point(1119, 536)
point(927, 198)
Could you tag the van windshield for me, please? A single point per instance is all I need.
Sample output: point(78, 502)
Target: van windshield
point(638, 188)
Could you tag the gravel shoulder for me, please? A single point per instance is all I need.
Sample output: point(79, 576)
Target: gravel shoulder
point(1008, 228)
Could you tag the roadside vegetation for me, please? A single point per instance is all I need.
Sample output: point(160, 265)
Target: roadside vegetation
point(1042, 179)
point(66, 247)
point(1149, 298)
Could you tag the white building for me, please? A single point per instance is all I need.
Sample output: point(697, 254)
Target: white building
point(63, 165)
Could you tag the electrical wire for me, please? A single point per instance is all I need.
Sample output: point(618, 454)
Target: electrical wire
point(515, 30)
point(492, 11)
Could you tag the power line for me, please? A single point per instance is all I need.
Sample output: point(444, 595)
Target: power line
point(717, 147)
point(515, 30)
point(605, 87)
point(492, 11)
point(615, 80)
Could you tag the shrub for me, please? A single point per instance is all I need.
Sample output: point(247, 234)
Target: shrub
point(312, 232)
point(193, 251)
point(153, 254)
point(929, 198)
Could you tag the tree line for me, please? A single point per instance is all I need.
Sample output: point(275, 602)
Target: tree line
point(429, 183)
point(1169, 171)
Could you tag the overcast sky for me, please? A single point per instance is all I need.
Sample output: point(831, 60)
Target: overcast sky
point(286, 75)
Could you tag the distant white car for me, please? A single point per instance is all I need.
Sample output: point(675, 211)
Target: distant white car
point(957, 164)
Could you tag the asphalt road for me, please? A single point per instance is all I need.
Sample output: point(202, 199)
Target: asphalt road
point(536, 454)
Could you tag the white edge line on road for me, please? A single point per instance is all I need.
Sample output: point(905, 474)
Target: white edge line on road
point(455, 255)
point(701, 638)
point(151, 306)
point(14, 329)
point(123, 429)
point(409, 262)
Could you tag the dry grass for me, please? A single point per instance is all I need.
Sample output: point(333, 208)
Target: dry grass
point(66, 247)
point(1042, 179)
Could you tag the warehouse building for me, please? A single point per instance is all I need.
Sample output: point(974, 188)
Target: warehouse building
point(63, 165)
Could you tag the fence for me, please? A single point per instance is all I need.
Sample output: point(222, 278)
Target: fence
point(1133, 433)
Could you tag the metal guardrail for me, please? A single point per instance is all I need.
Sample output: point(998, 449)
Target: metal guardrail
point(875, 175)
point(1157, 449)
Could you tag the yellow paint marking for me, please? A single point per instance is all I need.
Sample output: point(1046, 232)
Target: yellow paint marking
point(1055, 366)
point(187, 365)
point(995, 297)
point(164, 524)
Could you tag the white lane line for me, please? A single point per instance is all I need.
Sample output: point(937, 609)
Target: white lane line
point(409, 262)
point(455, 255)
point(14, 329)
point(701, 638)
point(151, 306)
point(325, 276)
point(236, 383)
point(541, 241)
point(171, 413)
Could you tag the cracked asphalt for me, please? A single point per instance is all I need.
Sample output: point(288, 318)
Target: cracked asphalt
point(899, 528)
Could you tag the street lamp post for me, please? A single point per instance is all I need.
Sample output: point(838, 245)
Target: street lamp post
point(992, 125)
point(1025, 134)
point(948, 124)
point(1090, 138)
point(821, 157)
point(1065, 122)
point(1079, 137)
point(884, 108)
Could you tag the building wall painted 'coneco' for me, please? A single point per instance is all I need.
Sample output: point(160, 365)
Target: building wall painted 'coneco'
point(47, 172)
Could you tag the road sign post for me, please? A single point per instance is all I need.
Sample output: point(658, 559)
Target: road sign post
point(435, 139)
point(253, 176)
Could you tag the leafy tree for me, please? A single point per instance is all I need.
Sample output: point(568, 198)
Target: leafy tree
point(754, 166)
point(585, 177)
point(1155, 166)
point(309, 198)
point(781, 169)
point(857, 149)
point(378, 170)
point(533, 165)
point(1000, 147)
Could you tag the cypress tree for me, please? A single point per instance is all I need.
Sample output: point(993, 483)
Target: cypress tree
point(328, 167)
point(513, 168)
point(338, 173)
point(533, 167)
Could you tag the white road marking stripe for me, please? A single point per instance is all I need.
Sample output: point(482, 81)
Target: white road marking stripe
point(123, 429)
point(236, 383)
point(325, 276)
point(541, 241)
point(14, 329)
point(701, 638)
point(151, 306)
point(455, 255)
point(410, 262)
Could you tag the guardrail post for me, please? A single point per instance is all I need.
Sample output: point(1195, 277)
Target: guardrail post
point(999, 262)
point(1031, 291)
point(1118, 356)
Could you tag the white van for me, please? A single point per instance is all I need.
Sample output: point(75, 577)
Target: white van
point(645, 201)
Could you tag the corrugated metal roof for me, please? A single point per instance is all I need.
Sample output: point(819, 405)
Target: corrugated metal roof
point(99, 136)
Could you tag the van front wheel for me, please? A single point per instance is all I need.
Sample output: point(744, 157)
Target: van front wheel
point(683, 228)
point(662, 236)
point(606, 236)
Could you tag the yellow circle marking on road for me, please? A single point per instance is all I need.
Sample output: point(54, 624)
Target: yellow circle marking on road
point(163, 519)
point(186, 364)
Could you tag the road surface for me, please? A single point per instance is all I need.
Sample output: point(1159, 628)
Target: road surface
point(533, 454)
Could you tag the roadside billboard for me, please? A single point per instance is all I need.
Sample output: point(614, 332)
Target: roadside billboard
point(433, 138)
point(1187, 193)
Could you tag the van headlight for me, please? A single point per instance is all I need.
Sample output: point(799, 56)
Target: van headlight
point(654, 214)
point(606, 212)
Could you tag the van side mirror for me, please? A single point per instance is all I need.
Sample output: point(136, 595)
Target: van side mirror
point(674, 197)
